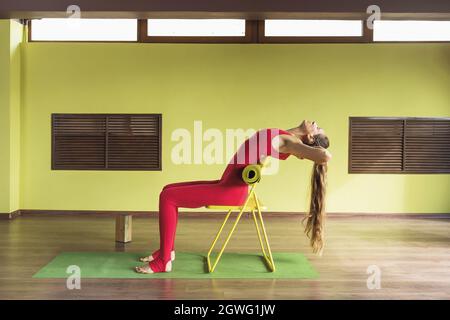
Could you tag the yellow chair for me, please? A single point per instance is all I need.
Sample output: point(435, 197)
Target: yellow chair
point(252, 176)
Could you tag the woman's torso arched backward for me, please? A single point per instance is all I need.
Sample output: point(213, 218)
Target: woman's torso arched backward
point(229, 190)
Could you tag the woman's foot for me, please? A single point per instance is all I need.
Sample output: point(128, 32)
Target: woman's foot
point(155, 266)
point(155, 255)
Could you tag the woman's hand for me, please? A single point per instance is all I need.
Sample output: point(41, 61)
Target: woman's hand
point(324, 157)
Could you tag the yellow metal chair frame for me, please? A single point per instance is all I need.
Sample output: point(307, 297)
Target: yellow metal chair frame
point(252, 205)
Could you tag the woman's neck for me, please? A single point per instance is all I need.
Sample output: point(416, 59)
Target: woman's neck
point(297, 132)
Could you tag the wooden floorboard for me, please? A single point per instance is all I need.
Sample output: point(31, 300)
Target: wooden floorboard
point(413, 255)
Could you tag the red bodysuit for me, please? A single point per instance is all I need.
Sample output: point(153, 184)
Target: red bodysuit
point(229, 190)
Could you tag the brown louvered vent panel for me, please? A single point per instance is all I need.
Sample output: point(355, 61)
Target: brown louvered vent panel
point(427, 146)
point(399, 145)
point(106, 142)
point(376, 145)
point(78, 142)
point(133, 142)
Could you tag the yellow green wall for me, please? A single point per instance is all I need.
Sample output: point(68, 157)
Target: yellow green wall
point(232, 86)
point(4, 116)
point(11, 34)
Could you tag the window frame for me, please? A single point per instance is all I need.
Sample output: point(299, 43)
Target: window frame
point(403, 171)
point(254, 33)
point(105, 115)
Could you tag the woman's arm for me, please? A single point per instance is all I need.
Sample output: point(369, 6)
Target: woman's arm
point(293, 145)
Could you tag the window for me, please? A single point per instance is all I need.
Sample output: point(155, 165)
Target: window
point(399, 145)
point(196, 27)
point(389, 30)
point(106, 142)
point(311, 31)
point(313, 28)
point(196, 30)
point(72, 29)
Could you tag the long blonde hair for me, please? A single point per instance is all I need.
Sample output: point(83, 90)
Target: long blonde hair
point(315, 218)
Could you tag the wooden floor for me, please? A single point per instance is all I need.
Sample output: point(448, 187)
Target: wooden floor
point(413, 255)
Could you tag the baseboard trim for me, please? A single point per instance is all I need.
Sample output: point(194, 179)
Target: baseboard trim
point(215, 214)
point(10, 216)
point(102, 213)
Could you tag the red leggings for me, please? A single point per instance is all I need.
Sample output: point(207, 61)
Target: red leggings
point(193, 194)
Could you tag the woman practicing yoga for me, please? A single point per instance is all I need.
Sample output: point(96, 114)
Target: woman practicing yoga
point(307, 141)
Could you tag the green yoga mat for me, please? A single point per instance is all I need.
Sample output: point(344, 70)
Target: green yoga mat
point(186, 266)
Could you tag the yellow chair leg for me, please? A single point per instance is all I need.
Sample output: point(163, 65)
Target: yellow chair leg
point(213, 267)
point(268, 257)
point(259, 233)
point(216, 238)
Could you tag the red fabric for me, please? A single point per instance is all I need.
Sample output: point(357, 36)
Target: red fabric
point(229, 190)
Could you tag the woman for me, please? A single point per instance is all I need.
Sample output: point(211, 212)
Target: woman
point(307, 141)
